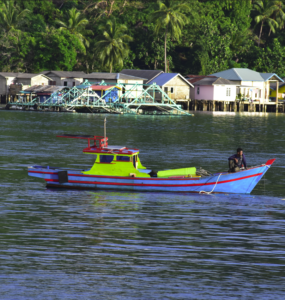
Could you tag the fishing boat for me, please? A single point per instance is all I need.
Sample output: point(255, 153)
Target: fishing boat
point(119, 168)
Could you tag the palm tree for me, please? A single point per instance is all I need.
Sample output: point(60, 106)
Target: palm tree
point(277, 9)
point(265, 11)
point(112, 45)
point(169, 18)
point(75, 23)
point(10, 15)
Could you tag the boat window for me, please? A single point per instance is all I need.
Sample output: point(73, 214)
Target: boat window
point(106, 158)
point(134, 161)
point(123, 158)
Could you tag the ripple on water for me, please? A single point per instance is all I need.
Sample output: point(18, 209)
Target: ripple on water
point(65, 244)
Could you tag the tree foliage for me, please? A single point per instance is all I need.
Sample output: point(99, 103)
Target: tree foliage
point(75, 23)
point(112, 45)
point(186, 36)
point(169, 18)
point(11, 16)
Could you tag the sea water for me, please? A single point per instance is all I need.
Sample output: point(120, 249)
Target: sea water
point(68, 244)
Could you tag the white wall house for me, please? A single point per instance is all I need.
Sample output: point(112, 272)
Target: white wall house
point(214, 88)
point(65, 78)
point(8, 81)
point(174, 85)
point(250, 84)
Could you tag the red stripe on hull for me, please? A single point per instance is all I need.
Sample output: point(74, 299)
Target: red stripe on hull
point(40, 172)
point(94, 188)
point(155, 185)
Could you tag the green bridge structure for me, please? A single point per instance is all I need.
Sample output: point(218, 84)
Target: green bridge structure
point(133, 99)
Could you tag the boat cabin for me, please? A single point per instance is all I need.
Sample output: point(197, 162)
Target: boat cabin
point(112, 160)
point(118, 161)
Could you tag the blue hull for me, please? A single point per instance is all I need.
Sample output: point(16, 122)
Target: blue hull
point(242, 182)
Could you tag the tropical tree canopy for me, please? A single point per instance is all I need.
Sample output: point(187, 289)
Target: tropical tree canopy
point(75, 23)
point(183, 36)
point(112, 45)
point(170, 19)
point(11, 16)
point(265, 11)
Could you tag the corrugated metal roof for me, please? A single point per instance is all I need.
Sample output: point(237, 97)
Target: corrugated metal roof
point(194, 78)
point(19, 75)
point(8, 74)
point(213, 81)
point(101, 76)
point(268, 76)
point(70, 74)
point(28, 75)
point(130, 77)
point(147, 74)
point(243, 74)
point(44, 88)
point(163, 78)
point(111, 76)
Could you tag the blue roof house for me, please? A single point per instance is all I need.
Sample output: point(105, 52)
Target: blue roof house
point(174, 85)
point(250, 84)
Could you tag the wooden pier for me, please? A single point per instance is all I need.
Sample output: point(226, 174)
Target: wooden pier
point(235, 106)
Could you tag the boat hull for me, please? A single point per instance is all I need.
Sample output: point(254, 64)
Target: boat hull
point(242, 182)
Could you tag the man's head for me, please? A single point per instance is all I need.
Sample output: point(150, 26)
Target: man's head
point(239, 151)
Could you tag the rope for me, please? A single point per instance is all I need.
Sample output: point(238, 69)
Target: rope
point(208, 193)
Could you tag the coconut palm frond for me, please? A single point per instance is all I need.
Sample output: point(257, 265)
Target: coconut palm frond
point(75, 23)
point(112, 45)
point(169, 17)
point(11, 17)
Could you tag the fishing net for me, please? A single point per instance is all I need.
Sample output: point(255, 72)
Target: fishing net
point(203, 173)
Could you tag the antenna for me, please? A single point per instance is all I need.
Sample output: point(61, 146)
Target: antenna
point(105, 121)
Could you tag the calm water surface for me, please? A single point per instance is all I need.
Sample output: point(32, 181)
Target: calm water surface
point(64, 244)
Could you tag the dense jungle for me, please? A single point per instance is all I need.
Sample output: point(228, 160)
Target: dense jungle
point(187, 36)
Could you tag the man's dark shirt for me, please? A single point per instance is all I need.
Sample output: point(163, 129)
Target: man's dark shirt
point(241, 161)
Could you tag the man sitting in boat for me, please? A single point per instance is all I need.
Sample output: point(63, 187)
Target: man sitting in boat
point(237, 161)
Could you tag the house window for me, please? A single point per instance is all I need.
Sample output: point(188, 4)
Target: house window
point(73, 83)
point(65, 83)
point(166, 90)
point(259, 93)
point(228, 92)
point(198, 90)
point(171, 90)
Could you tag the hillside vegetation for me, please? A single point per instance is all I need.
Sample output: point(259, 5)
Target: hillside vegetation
point(187, 36)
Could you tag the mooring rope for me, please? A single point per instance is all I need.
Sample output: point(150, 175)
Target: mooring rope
point(208, 193)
